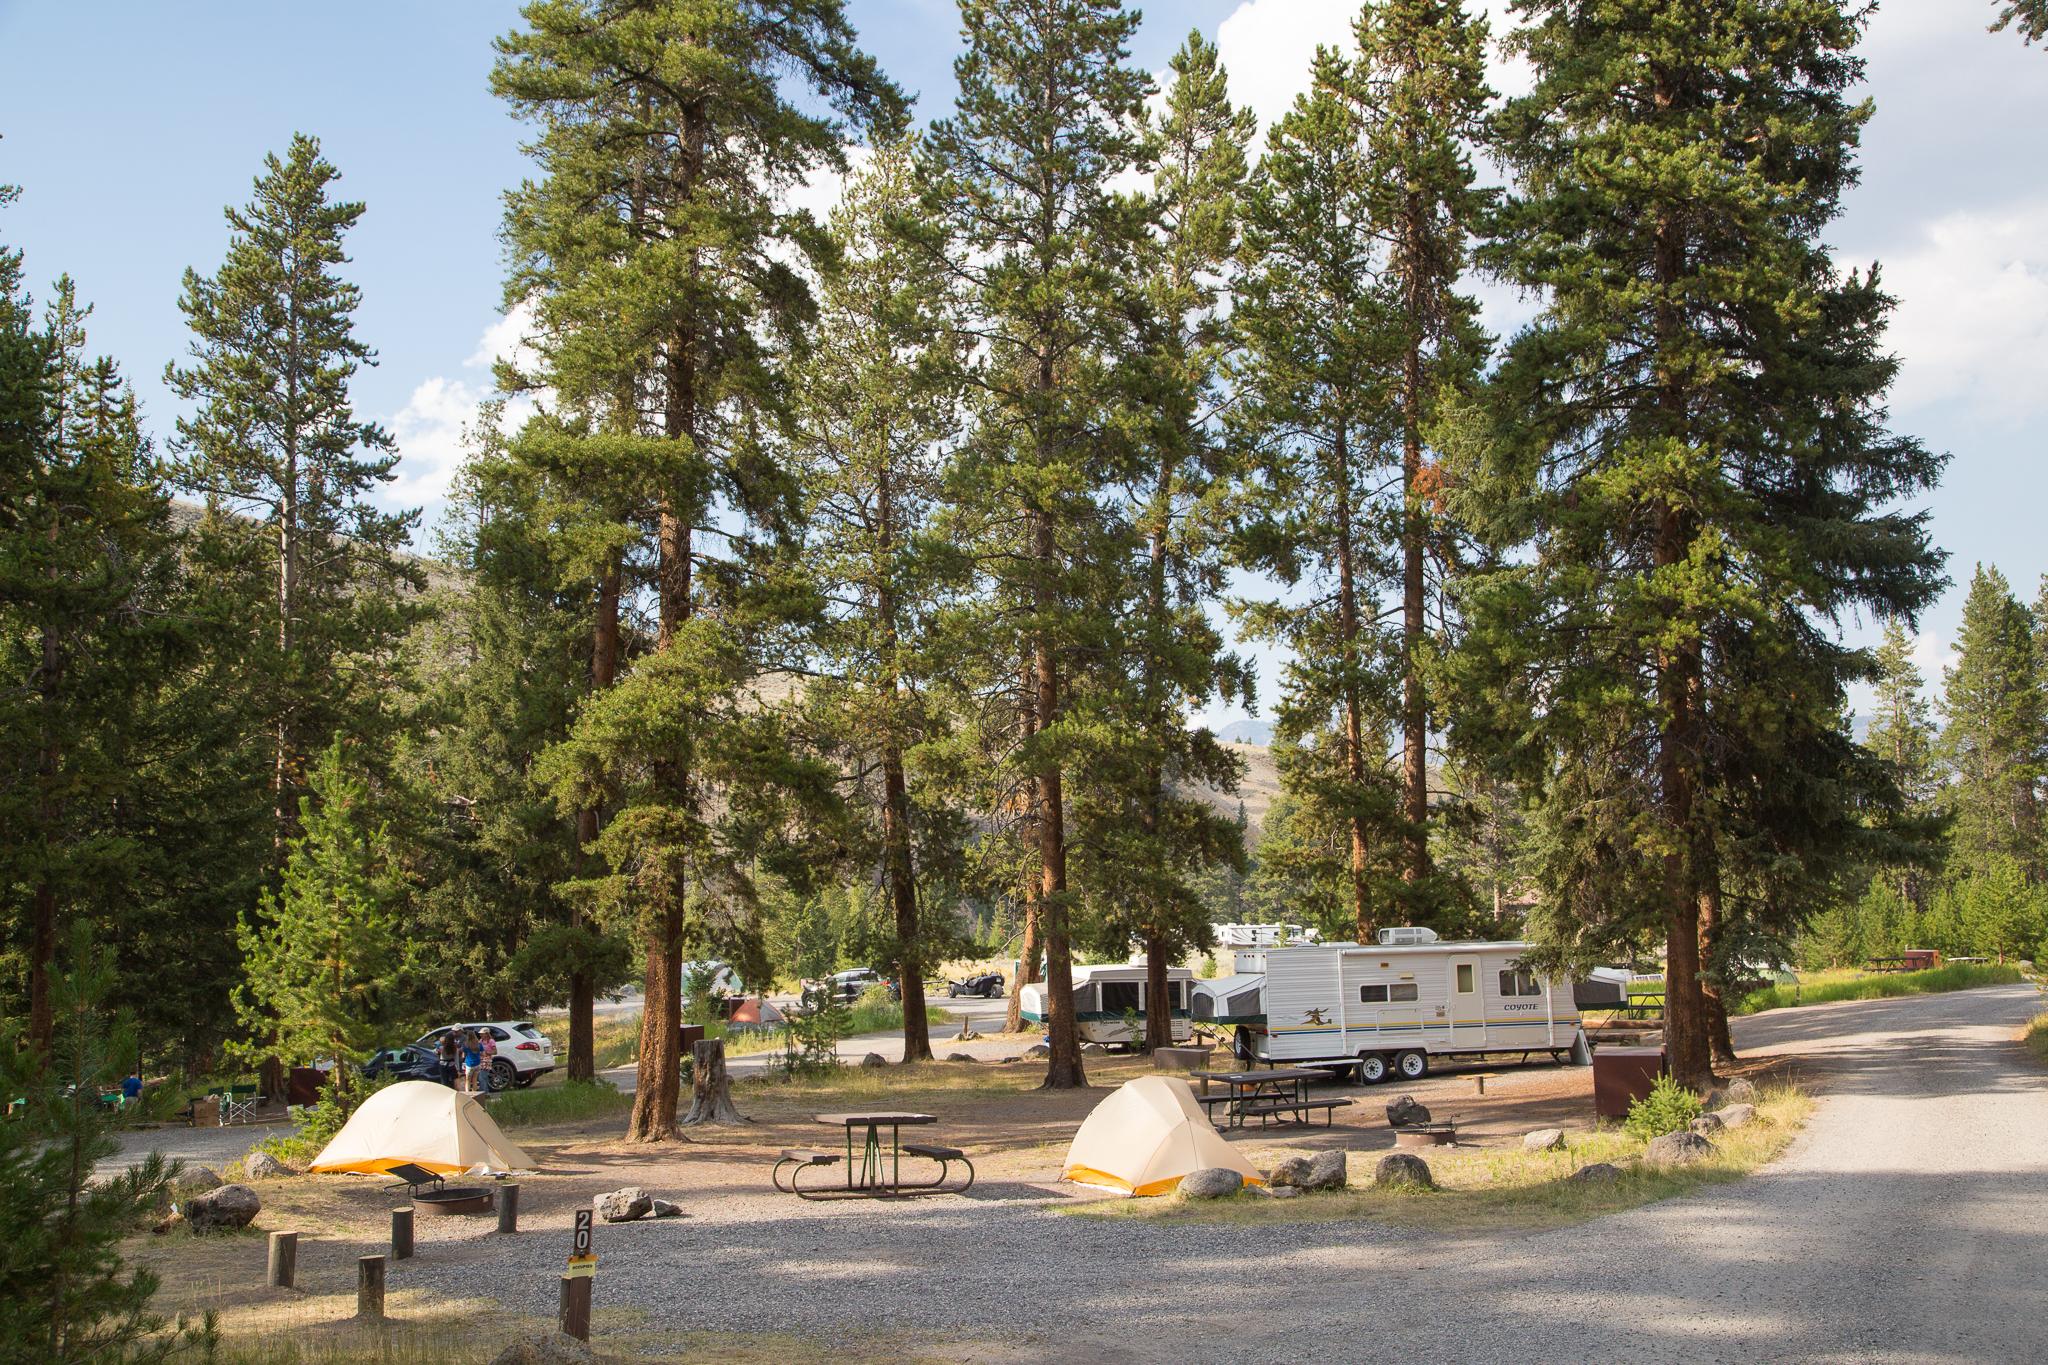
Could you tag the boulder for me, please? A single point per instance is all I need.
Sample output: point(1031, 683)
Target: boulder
point(197, 1180)
point(1735, 1115)
point(624, 1205)
point(261, 1165)
point(1679, 1149)
point(230, 1206)
point(1739, 1091)
point(1399, 1170)
point(1706, 1125)
point(960, 1057)
point(1289, 1174)
point(1407, 1112)
point(1328, 1171)
point(1211, 1182)
point(1599, 1173)
point(1544, 1140)
point(874, 1059)
point(662, 1208)
point(1038, 1050)
point(556, 1348)
point(1284, 1192)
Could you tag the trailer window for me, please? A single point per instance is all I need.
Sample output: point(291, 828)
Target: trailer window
point(1384, 993)
point(1119, 997)
point(1372, 995)
point(1520, 981)
point(1402, 990)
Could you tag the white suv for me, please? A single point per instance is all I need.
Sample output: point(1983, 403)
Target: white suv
point(524, 1052)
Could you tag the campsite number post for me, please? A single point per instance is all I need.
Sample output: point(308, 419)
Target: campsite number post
point(576, 1280)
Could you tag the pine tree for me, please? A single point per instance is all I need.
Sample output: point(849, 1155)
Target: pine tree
point(1995, 741)
point(1318, 400)
point(64, 1293)
point(1901, 731)
point(277, 450)
point(2030, 17)
point(1420, 81)
point(875, 411)
point(322, 951)
point(1046, 118)
point(1692, 470)
point(656, 247)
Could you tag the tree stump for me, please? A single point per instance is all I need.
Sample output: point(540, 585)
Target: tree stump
point(711, 1088)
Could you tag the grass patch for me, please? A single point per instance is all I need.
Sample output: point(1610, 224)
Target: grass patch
point(2036, 1038)
point(569, 1102)
point(1484, 1190)
point(1826, 987)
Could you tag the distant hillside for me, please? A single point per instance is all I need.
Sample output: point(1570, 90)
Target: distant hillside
point(1256, 789)
point(1256, 732)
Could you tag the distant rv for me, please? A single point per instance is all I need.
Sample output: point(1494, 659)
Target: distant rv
point(1111, 997)
point(1264, 935)
point(1387, 1008)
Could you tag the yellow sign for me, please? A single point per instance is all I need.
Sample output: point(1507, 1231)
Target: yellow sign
point(581, 1267)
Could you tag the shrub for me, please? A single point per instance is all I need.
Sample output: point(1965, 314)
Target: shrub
point(320, 1121)
point(1668, 1108)
point(811, 1037)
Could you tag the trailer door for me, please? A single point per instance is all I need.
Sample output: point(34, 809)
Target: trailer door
point(1468, 1005)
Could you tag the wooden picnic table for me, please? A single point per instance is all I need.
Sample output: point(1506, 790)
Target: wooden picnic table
point(1261, 1093)
point(870, 1177)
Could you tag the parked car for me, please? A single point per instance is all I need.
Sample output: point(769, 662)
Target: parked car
point(987, 985)
point(849, 986)
point(524, 1052)
point(408, 1063)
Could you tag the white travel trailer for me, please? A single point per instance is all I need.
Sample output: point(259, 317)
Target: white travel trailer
point(1386, 1008)
point(1109, 997)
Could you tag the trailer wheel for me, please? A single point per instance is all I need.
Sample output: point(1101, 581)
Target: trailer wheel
point(1413, 1066)
point(1372, 1067)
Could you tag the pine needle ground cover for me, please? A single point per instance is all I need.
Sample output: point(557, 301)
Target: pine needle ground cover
point(1826, 987)
point(1489, 1190)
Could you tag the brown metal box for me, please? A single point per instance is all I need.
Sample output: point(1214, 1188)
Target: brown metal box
point(1622, 1075)
point(692, 1034)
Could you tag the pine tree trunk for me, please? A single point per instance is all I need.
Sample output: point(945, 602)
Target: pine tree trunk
point(1720, 1042)
point(1063, 1069)
point(1414, 708)
point(917, 1035)
point(1354, 721)
point(1027, 946)
point(1158, 1022)
point(42, 949)
point(1158, 1004)
point(604, 663)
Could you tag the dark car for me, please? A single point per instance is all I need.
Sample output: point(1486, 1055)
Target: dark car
point(404, 1064)
point(849, 986)
point(987, 985)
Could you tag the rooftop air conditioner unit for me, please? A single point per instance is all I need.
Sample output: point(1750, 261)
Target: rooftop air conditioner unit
point(1406, 934)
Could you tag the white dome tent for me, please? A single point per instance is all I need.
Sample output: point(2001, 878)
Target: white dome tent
point(1145, 1137)
point(421, 1124)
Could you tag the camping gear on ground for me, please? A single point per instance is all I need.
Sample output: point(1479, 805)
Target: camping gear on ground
point(879, 1177)
point(1266, 1096)
point(422, 1124)
point(1143, 1138)
point(238, 1104)
point(1110, 1003)
point(1622, 1075)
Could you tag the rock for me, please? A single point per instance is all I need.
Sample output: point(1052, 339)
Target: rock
point(1328, 1171)
point(1284, 1192)
point(1289, 1174)
point(556, 1348)
point(230, 1206)
point(623, 1206)
point(1211, 1182)
point(1399, 1169)
point(1544, 1140)
point(1038, 1050)
point(1706, 1125)
point(1679, 1149)
point(662, 1208)
point(1407, 1112)
point(1739, 1091)
point(1735, 1115)
point(261, 1165)
point(874, 1059)
point(197, 1180)
point(1599, 1173)
point(960, 1057)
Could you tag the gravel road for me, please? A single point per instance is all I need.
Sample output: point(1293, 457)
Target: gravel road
point(1909, 1222)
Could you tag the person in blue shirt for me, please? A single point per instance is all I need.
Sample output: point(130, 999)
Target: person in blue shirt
point(472, 1062)
point(131, 1091)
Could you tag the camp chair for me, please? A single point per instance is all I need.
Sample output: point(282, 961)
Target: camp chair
point(238, 1104)
point(411, 1178)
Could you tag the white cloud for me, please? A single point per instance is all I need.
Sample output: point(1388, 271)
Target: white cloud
point(431, 429)
point(505, 339)
point(1972, 320)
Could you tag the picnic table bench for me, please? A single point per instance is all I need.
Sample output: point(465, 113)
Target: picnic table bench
point(1265, 1096)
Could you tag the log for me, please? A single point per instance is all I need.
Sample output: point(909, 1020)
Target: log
point(575, 1316)
point(508, 1208)
point(283, 1269)
point(711, 1088)
point(370, 1287)
point(401, 1234)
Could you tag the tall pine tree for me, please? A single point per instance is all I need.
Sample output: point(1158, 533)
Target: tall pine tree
point(1995, 740)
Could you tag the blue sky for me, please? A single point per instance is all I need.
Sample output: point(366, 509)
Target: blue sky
point(129, 127)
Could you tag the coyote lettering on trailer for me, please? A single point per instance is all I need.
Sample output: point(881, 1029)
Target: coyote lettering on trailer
point(1315, 1016)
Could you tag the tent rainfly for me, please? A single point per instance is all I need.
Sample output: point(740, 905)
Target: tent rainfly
point(422, 1123)
point(753, 1009)
point(1146, 1136)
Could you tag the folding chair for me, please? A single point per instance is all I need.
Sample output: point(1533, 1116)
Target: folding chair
point(411, 1178)
point(238, 1105)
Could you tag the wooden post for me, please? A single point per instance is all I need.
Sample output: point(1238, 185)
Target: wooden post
point(575, 1318)
point(508, 1208)
point(370, 1287)
point(284, 1260)
point(401, 1234)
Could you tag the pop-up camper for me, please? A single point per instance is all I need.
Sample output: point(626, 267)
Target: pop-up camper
point(1108, 997)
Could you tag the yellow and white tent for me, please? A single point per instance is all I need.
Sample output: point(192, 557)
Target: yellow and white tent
point(1146, 1136)
point(422, 1123)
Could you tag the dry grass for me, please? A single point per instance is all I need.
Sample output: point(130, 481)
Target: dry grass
point(2035, 1036)
point(1494, 1189)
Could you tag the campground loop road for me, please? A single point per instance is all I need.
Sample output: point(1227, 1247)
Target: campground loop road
point(1909, 1222)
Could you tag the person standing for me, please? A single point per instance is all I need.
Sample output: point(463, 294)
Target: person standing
point(487, 1047)
point(449, 1057)
point(472, 1058)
